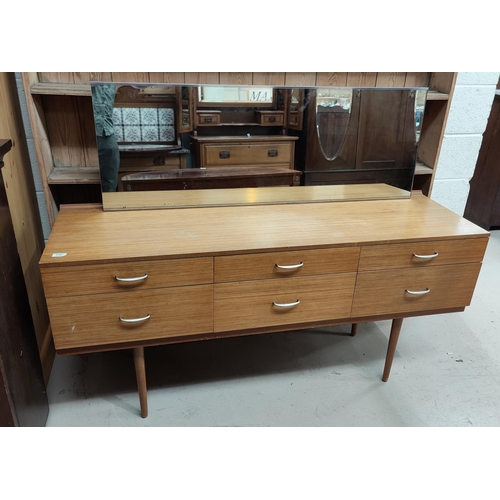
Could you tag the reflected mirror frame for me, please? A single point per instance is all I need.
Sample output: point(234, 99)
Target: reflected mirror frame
point(144, 203)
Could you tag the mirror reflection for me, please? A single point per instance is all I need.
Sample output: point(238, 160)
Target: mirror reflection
point(155, 137)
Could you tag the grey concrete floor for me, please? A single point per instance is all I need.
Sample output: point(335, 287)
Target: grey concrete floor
point(446, 372)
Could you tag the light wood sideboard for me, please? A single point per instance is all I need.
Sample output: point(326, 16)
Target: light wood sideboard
point(132, 279)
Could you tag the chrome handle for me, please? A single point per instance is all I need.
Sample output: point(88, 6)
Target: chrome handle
point(134, 320)
point(419, 292)
point(129, 280)
point(294, 266)
point(433, 256)
point(291, 304)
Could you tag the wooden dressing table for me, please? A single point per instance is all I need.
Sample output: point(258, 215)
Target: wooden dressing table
point(131, 279)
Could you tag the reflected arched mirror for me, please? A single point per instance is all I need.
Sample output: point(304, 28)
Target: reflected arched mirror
point(333, 111)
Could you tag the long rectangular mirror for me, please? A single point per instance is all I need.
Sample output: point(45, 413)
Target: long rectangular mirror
point(166, 146)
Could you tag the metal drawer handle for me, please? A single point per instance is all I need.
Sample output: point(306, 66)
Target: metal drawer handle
point(224, 154)
point(294, 266)
point(130, 280)
point(272, 153)
point(207, 119)
point(419, 292)
point(291, 304)
point(134, 320)
point(271, 118)
point(433, 256)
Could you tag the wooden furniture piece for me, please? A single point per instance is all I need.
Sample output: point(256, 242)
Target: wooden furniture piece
point(245, 152)
point(483, 203)
point(155, 277)
point(23, 399)
point(211, 178)
point(25, 210)
point(377, 139)
point(60, 112)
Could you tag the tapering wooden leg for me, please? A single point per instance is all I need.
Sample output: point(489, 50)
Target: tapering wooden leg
point(140, 373)
point(391, 349)
point(354, 329)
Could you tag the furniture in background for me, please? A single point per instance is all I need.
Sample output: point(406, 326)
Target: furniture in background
point(193, 274)
point(483, 203)
point(23, 398)
point(211, 178)
point(26, 212)
point(60, 111)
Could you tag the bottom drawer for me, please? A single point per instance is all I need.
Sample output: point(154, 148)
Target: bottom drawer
point(93, 320)
point(385, 292)
point(249, 304)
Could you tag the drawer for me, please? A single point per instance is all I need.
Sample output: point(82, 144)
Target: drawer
point(398, 255)
point(384, 292)
point(300, 263)
point(208, 118)
point(249, 304)
point(83, 280)
point(247, 154)
point(271, 118)
point(92, 320)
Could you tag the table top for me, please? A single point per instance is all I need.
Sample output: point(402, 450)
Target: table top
point(85, 234)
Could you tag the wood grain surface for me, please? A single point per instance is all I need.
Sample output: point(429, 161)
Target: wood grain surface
point(88, 235)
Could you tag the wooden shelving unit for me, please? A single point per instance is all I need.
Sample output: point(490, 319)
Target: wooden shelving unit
point(60, 112)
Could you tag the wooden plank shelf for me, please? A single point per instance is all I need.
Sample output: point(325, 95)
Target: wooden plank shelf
point(60, 89)
point(421, 169)
point(434, 95)
point(72, 175)
point(84, 90)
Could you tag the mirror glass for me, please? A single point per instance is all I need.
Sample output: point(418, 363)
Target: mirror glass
point(165, 146)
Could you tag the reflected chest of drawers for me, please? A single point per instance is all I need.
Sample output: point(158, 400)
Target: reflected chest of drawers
point(128, 280)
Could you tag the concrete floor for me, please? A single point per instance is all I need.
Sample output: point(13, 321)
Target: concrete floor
point(445, 373)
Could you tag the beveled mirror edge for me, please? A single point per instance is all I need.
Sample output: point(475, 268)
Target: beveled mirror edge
point(250, 196)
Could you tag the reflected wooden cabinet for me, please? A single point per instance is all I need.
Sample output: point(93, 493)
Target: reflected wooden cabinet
point(376, 140)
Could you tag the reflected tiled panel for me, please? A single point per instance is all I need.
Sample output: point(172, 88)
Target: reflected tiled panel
point(144, 124)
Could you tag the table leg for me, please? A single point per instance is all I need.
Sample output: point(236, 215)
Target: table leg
point(140, 373)
point(391, 348)
point(354, 329)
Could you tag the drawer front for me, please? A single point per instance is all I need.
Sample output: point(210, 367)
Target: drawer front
point(249, 304)
point(247, 154)
point(384, 292)
point(101, 278)
point(92, 320)
point(422, 254)
point(293, 264)
point(208, 118)
point(271, 119)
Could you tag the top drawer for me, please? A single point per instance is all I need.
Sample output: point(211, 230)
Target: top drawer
point(420, 254)
point(102, 278)
point(285, 264)
point(247, 154)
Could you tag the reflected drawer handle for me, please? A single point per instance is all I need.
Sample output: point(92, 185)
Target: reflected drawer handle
point(271, 118)
point(134, 320)
point(291, 304)
point(130, 280)
point(294, 266)
point(433, 256)
point(419, 292)
point(224, 154)
point(207, 119)
point(272, 153)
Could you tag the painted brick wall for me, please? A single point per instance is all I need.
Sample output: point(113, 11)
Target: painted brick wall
point(469, 112)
